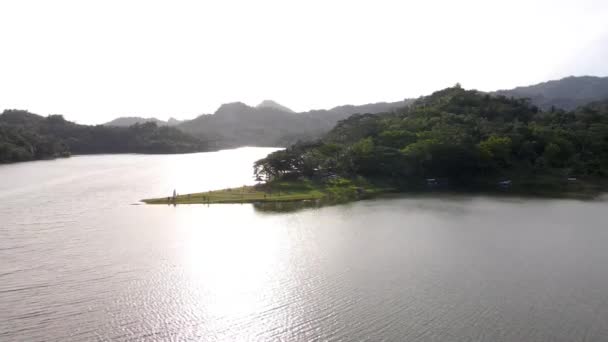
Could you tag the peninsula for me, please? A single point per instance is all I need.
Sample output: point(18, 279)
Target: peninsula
point(335, 190)
point(454, 140)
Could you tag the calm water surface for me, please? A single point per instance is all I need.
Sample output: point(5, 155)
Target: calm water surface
point(78, 262)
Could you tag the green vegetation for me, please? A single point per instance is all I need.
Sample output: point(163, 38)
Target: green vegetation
point(271, 124)
point(26, 136)
point(454, 140)
point(462, 140)
point(331, 191)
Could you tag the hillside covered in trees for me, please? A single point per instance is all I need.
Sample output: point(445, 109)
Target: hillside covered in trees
point(26, 136)
point(459, 136)
point(271, 124)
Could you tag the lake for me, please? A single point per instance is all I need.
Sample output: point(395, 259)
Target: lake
point(79, 262)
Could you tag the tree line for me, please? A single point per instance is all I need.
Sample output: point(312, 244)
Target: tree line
point(26, 136)
point(461, 135)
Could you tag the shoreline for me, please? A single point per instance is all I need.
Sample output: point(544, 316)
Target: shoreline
point(277, 192)
point(344, 191)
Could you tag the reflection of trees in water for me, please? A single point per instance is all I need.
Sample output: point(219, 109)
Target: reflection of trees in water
point(287, 206)
point(291, 206)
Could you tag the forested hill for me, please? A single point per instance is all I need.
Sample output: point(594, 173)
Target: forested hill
point(567, 93)
point(271, 124)
point(27, 136)
point(463, 136)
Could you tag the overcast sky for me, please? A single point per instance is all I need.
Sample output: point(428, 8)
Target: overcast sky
point(95, 60)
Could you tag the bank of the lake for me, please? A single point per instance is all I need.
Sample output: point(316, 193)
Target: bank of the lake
point(342, 190)
point(338, 190)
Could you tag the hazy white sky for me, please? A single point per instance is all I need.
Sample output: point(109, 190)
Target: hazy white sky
point(95, 60)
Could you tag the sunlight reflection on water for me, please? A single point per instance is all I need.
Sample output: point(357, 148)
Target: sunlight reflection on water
point(77, 262)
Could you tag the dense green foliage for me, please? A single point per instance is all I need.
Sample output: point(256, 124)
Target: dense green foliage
point(457, 135)
point(271, 124)
point(27, 136)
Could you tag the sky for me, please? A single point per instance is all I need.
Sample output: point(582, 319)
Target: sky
point(93, 61)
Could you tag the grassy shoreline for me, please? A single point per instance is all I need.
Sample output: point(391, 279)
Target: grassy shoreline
point(280, 191)
point(343, 190)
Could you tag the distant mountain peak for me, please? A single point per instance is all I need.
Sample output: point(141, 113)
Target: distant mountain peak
point(232, 107)
point(567, 93)
point(126, 121)
point(274, 105)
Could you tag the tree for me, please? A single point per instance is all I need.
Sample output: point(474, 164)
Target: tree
point(496, 150)
point(551, 154)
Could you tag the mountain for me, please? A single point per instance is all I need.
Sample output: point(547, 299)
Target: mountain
point(237, 124)
point(272, 124)
point(26, 136)
point(173, 122)
point(567, 93)
point(127, 121)
point(274, 105)
point(371, 108)
point(464, 137)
